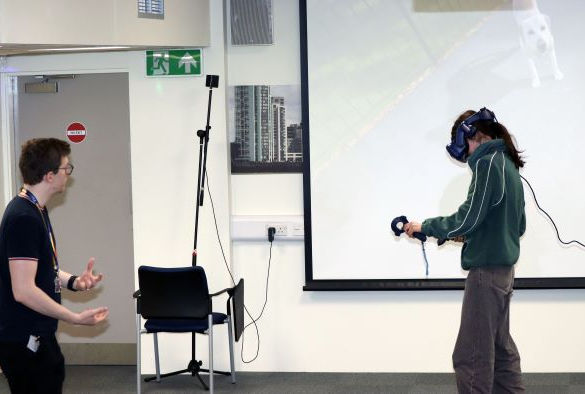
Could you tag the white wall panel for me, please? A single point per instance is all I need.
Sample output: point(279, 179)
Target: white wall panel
point(106, 22)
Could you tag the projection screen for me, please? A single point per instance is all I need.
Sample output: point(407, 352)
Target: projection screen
point(382, 83)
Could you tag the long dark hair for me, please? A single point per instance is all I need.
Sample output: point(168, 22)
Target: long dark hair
point(494, 130)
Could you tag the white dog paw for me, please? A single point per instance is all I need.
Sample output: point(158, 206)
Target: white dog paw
point(536, 82)
point(559, 75)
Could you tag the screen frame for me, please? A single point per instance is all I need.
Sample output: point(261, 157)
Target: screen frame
point(312, 284)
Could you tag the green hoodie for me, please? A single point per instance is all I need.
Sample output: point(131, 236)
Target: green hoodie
point(492, 218)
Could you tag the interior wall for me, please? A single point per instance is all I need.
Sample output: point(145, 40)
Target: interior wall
point(300, 331)
point(364, 331)
point(165, 114)
point(112, 22)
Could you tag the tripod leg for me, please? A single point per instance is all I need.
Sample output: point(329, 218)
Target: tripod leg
point(195, 367)
point(202, 382)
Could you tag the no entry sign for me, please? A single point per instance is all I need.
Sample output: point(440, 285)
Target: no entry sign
point(76, 132)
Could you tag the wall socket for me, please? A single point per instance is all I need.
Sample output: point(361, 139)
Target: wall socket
point(281, 229)
point(255, 227)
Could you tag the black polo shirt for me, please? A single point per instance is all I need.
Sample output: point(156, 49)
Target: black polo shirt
point(23, 236)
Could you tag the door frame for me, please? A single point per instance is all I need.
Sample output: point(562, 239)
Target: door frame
point(8, 126)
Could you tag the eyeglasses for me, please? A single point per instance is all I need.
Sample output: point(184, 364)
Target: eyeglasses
point(68, 169)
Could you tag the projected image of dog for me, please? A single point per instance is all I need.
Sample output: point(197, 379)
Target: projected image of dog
point(536, 38)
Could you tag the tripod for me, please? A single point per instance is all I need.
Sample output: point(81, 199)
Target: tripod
point(194, 366)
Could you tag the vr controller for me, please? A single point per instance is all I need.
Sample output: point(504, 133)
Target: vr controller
point(420, 236)
point(397, 231)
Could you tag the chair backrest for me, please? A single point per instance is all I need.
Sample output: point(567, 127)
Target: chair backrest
point(173, 293)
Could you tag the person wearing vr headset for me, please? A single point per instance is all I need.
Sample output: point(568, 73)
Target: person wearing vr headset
point(490, 221)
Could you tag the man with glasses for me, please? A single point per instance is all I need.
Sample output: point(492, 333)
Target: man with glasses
point(30, 277)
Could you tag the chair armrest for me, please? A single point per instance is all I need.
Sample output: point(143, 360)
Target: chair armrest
point(136, 295)
point(221, 292)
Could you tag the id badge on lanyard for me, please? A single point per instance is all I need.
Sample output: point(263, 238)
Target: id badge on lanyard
point(57, 283)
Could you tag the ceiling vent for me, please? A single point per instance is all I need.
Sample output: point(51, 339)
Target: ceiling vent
point(251, 22)
point(154, 9)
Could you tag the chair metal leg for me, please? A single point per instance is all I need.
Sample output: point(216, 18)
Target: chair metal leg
point(194, 367)
point(231, 340)
point(210, 333)
point(138, 333)
point(156, 362)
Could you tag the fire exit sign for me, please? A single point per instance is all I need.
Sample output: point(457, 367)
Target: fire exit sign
point(173, 62)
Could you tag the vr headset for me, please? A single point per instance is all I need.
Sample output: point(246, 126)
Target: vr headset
point(458, 147)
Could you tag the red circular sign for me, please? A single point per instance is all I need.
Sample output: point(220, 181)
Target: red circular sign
point(76, 132)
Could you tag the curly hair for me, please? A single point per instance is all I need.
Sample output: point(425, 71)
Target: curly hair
point(40, 156)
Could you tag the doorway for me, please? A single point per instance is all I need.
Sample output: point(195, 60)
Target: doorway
point(93, 218)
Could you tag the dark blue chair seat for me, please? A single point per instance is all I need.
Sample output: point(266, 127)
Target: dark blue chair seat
point(182, 325)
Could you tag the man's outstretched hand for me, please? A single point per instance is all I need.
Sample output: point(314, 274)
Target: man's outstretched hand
point(91, 317)
point(87, 280)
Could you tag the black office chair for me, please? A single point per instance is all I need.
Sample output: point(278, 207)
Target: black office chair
point(178, 300)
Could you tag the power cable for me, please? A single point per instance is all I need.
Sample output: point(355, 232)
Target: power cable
point(548, 216)
point(234, 282)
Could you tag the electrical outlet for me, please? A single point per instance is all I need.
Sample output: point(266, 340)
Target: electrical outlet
point(281, 229)
point(255, 227)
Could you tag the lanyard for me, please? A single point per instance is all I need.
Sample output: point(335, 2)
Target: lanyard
point(27, 194)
